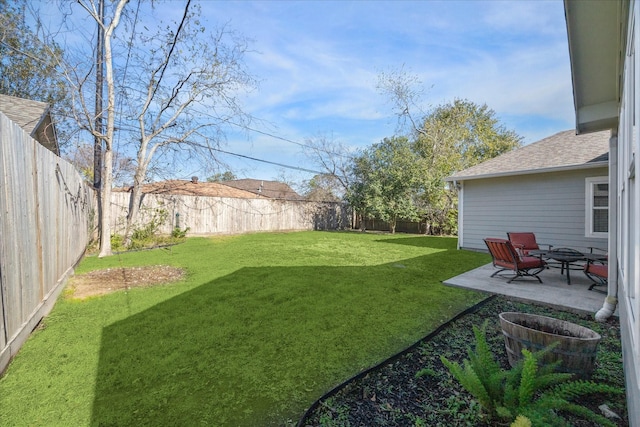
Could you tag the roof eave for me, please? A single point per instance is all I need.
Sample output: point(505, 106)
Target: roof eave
point(593, 165)
point(596, 32)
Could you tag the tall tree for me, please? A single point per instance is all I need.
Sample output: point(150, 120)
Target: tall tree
point(106, 135)
point(185, 71)
point(172, 88)
point(450, 137)
point(29, 67)
point(387, 181)
point(455, 136)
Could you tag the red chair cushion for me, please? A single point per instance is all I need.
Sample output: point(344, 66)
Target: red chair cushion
point(598, 270)
point(530, 262)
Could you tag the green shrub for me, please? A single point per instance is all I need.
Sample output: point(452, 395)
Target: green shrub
point(117, 242)
point(178, 233)
point(529, 389)
point(150, 229)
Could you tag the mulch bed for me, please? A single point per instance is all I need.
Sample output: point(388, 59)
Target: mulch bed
point(393, 395)
point(101, 282)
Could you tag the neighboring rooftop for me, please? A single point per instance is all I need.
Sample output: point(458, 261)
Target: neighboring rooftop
point(562, 151)
point(270, 189)
point(193, 188)
point(33, 117)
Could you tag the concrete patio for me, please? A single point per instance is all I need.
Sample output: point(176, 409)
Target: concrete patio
point(553, 291)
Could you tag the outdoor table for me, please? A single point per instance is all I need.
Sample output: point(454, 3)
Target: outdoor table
point(565, 256)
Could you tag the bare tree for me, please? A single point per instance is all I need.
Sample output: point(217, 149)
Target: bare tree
point(172, 89)
point(106, 135)
point(334, 158)
point(184, 72)
point(404, 91)
point(82, 158)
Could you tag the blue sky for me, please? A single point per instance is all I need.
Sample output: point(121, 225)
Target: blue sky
point(318, 64)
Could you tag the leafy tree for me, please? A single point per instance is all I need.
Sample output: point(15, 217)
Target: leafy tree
point(461, 134)
point(455, 136)
point(30, 68)
point(449, 138)
point(222, 176)
point(323, 188)
point(387, 181)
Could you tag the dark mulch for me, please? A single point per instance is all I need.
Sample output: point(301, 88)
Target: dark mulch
point(393, 395)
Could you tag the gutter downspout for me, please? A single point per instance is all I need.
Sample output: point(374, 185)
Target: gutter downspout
point(611, 301)
point(459, 186)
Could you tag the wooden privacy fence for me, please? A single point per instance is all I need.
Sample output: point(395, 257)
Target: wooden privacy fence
point(224, 215)
point(46, 210)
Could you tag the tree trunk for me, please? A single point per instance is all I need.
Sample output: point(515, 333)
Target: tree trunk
point(134, 204)
point(105, 197)
point(107, 168)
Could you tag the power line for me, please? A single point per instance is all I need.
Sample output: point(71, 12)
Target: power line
point(281, 138)
point(278, 137)
point(264, 161)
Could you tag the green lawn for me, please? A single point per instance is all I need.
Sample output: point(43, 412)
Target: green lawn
point(262, 326)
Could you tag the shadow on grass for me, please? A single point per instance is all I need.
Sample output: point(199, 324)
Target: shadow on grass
point(258, 346)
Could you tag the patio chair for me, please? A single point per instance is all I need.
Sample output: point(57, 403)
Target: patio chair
point(525, 242)
point(506, 257)
point(598, 272)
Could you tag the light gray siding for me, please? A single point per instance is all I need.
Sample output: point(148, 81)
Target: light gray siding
point(552, 205)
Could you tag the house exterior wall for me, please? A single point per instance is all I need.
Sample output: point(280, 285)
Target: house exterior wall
point(552, 205)
point(628, 217)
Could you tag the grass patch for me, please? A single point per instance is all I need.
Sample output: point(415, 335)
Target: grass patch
point(261, 326)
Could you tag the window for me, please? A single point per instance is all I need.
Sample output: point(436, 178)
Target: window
point(597, 207)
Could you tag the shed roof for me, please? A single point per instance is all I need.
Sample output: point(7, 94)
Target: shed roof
point(270, 189)
point(562, 151)
point(193, 188)
point(33, 117)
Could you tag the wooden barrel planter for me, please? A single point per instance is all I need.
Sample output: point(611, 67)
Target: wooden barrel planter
point(576, 349)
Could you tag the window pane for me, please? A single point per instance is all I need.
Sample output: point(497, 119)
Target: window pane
point(601, 195)
point(600, 220)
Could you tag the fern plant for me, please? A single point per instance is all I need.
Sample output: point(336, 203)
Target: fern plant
point(531, 390)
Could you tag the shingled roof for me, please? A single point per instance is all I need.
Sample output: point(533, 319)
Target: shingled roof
point(33, 117)
point(562, 151)
point(193, 188)
point(269, 189)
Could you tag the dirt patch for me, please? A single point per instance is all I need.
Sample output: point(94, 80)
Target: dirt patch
point(102, 282)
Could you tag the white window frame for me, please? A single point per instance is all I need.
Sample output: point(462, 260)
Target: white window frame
point(588, 220)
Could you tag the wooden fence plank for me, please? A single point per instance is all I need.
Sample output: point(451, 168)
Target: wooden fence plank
point(223, 215)
point(44, 230)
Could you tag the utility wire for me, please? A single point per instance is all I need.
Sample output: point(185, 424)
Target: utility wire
point(281, 138)
point(264, 161)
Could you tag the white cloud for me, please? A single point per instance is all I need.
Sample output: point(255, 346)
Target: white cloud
point(318, 63)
